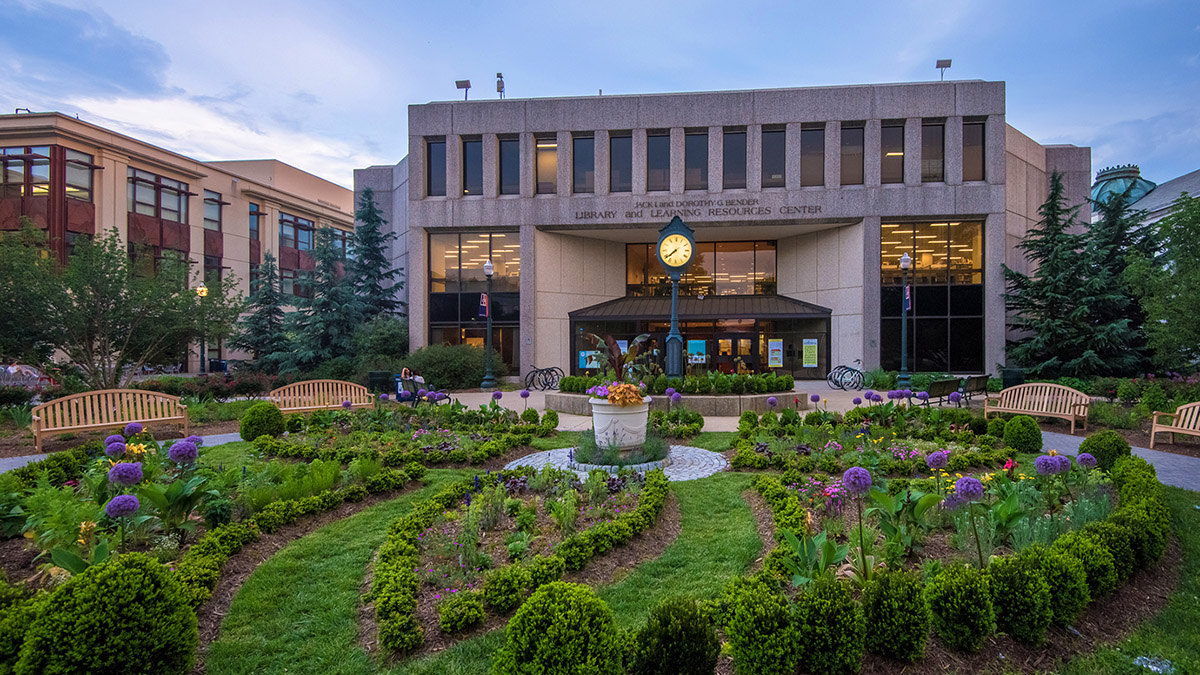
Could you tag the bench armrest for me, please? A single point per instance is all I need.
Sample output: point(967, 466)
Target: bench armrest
point(1081, 405)
point(989, 400)
point(1162, 414)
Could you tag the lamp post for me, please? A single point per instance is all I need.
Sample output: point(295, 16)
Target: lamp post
point(202, 292)
point(489, 380)
point(903, 381)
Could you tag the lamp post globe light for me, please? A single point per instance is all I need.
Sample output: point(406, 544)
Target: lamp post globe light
point(489, 380)
point(904, 381)
point(202, 292)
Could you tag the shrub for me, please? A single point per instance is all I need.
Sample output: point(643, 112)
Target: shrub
point(504, 588)
point(761, 632)
point(1022, 433)
point(459, 611)
point(1107, 447)
point(545, 569)
point(960, 607)
point(129, 615)
point(549, 421)
point(1067, 580)
point(529, 416)
point(1097, 562)
point(830, 628)
point(1021, 598)
point(1147, 538)
point(678, 639)
point(294, 422)
point(563, 629)
point(262, 419)
point(1116, 539)
point(454, 366)
point(895, 609)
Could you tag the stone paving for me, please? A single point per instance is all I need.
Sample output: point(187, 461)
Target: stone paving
point(1176, 470)
point(687, 463)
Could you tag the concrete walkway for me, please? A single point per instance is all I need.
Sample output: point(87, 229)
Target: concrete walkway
point(1177, 470)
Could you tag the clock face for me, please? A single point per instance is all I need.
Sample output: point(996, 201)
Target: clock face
point(675, 250)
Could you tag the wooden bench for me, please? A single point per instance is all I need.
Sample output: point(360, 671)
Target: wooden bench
point(939, 390)
point(1041, 399)
point(105, 409)
point(320, 395)
point(1187, 421)
point(975, 385)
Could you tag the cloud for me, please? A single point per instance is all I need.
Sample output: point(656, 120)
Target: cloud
point(1164, 146)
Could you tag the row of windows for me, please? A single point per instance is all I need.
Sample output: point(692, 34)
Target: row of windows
point(26, 171)
point(717, 268)
point(696, 145)
point(157, 196)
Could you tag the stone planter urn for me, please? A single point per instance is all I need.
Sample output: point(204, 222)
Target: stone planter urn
point(623, 427)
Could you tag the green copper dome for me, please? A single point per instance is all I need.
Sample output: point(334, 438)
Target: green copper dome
point(1118, 179)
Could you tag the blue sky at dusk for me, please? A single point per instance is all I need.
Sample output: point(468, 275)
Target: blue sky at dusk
point(325, 85)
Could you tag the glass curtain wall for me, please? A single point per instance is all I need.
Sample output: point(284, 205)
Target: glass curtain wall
point(456, 282)
point(718, 268)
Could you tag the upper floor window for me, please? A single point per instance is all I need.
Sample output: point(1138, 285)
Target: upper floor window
point(933, 152)
point(472, 166)
point(695, 160)
point(812, 156)
point(295, 232)
point(774, 157)
point(510, 166)
point(891, 153)
point(547, 164)
point(973, 151)
point(852, 154)
point(256, 220)
point(212, 210)
point(79, 169)
point(733, 159)
point(717, 268)
point(24, 171)
point(343, 242)
point(583, 164)
point(255, 275)
point(620, 162)
point(212, 270)
point(658, 160)
point(435, 167)
point(153, 195)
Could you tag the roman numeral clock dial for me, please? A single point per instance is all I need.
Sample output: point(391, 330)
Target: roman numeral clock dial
point(675, 250)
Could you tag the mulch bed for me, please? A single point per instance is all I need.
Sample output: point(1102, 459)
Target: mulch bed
point(608, 568)
point(21, 444)
point(764, 522)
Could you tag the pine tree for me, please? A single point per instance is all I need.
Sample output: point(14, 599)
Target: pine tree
point(375, 280)
point(1117, 237)
point(325, 323)
point(1053, 310)
point(262, 331)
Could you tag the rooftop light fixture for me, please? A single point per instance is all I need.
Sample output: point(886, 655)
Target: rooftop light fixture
point(465, 85)
point(942, 65)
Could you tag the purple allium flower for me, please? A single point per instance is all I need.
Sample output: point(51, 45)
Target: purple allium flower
point(1062, 463)
point(383, 396)
point(670, 391)
point(115, 438)
point(497, 395)
point(955, 397)
point(199, 442)
point(346, 404)
point(116, 449)
point(1045, 465)
point(857, 480)
point(857, 401)
point(133, 429)
point(892, 394)
point(524, 393)
point(907, 393)
point(405, 395)
point(923, 395)
point(126, 473)
point(938, 460)
point(676, 397)
point(869, 394)
point(421, 393)
point(772, 401)
point(969, 488)
point(952, 502)
point(1086, 460)
point(815, 398)
point(183, 452)
point(122, 506)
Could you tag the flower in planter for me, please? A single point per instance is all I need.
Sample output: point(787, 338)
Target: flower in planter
point(122, 506)
point(1086, 460)
point(133, 429)
point(183, 452)
point(126, 473)
point(772, 401)
point(115, 450)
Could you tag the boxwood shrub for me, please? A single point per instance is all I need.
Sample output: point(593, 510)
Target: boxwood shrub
point(1117, 540)
point(1097, 562)
point(1067, 580)
point(460, 611)
point(545, 569)
point(678, 639)
point(504, 587)
point(1021, 598)
point(262, 419)
point(960, 606)
point(762, 635)
point(830, 628)
point(1107, 447)
point(894, 607)
point(1023, 434)
point(563, 629)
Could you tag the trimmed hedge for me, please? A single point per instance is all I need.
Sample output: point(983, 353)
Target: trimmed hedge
point(460, 611)
point(1022, 433)
point(579, 548)
point(1021, 598)
point(504, 588)
point(960, 604)
point(1097, 562)
point(262, 419)
point(761, 633)
point(1069, 595)
point(563, 629)
point(1107, 447)
point(894, 607)
point(678, 639)
point(830, 628)
point(498, 446)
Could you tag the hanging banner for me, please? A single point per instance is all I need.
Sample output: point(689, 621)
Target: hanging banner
point(775, 353)
point(810, 353)
point(697, 351)
point(590, 360)
point(484, 309)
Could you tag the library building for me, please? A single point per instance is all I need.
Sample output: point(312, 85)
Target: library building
point(803, 202)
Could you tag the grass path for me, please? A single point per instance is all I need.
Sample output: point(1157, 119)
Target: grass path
point(297, 612)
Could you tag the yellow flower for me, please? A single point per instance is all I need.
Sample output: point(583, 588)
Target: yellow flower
point(1053, 453)
point(959, 475)
point(85, 530)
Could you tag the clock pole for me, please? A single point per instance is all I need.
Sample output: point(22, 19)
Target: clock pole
point(674, 338)
point(678, 235)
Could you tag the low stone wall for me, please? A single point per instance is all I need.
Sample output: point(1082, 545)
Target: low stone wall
point(709, 406)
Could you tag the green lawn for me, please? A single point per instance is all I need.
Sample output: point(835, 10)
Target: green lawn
point(240, 453)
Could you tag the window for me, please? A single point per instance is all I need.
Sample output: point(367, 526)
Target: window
point(933, 152)
point(79, 175)
point(435, 167)
point(852, 155)
point(472, 166)
point(296, 283)
point(658, 161)
point(720, 268)
point(774, 157)
point(343, 242)
point(510, 166)
point(695, 160)
point(24, 171)
point(295, 232)
point(256, 221)
point(946, 281)
point(153, 195)
point(891, 154)
point(733, 159)
point(547, 164)
point(973, 151)
point(212, 210)
point(812, 156)
point(456, 283)
point(212, 270)
point(583, 164)
point(620, 162)
point(255, 275)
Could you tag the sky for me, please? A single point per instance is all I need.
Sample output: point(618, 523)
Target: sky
point(324, 85)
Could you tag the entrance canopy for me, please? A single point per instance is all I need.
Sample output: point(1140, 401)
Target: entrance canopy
point(695, 309)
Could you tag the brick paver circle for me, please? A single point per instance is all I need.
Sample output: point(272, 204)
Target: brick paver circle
point(687, 463)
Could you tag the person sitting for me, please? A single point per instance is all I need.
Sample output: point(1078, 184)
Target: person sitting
point(405, 373)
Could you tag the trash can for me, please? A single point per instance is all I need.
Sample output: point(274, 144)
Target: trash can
point(379, 381)
point(217, 365)
point(1011, 377)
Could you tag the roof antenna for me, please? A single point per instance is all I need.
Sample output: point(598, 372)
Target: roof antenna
point(18, 111)
point(942, 65)
point(500, 84)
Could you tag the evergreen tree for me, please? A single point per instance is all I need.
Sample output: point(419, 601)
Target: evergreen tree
point(1167, 283)
point(1112, 241)
point(375, 280)
point(1053, 310)
point(324, 324)
point(262, 331)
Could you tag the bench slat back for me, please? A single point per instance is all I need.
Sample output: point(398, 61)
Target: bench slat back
point(1187, 416)
point(107, 407)
point(1043, 397)
point(975, 384)
point(940, 388)
point(320, 394)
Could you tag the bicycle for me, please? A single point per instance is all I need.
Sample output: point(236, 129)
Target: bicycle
point(847, 377)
